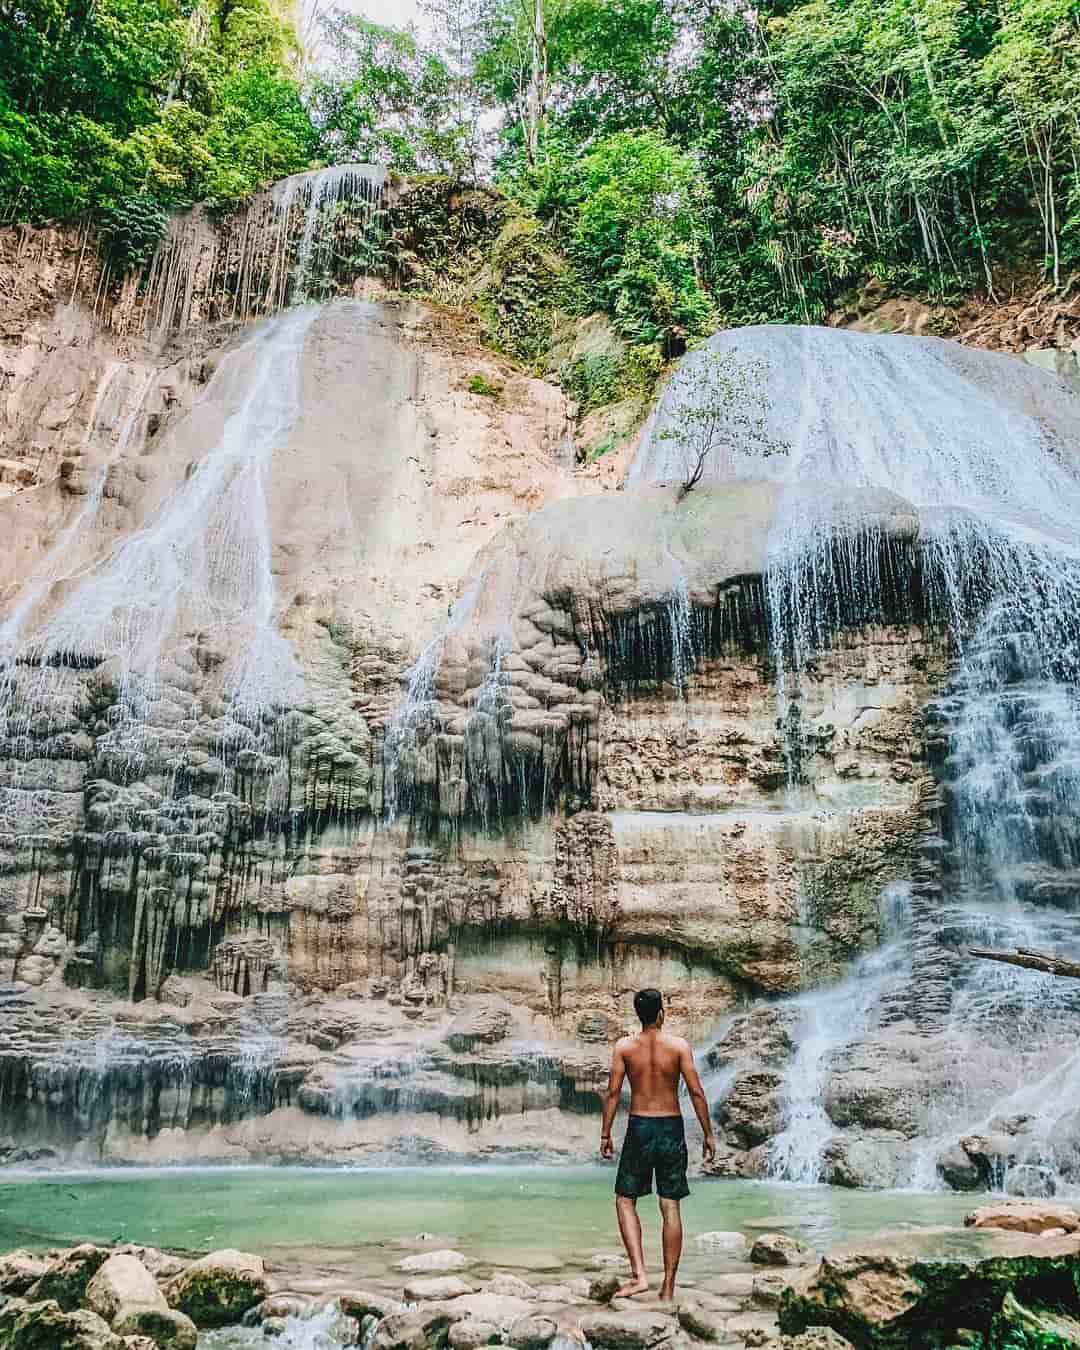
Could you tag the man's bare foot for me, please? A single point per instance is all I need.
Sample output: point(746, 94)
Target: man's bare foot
point(632, 1287)
point(667, 1293)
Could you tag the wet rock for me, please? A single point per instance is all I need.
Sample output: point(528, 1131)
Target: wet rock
point(433, 1263)
point(626, 1330)
point(602, 1289)
point(498, 1308)
point(1019, 1216)
point(471, 1334)
point(778, 1249)
point(701, 1322)
point(219, 1288)
point(417, 1329)
point(1029, 1180)
point(958, 1170)
point(862, 1163)
point(1044, 1325)
point(122, 1285)
point(752, 1328)
point(815, 1338)
point(769, 1287)
point(281, 1305)
point(19, 1270)
point(67, 1277)
point(483, 1024)
point(510, 1285)
point(877, 1300)
point(138, 1343)
point(44, 1325)
point(436, 1287)
point(359, 1303)
point(167, 1328)
point(532, 1333)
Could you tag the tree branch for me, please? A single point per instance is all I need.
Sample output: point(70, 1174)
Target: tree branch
point(1029, 960)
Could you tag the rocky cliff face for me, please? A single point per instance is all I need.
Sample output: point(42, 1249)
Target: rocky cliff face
point(361, 756)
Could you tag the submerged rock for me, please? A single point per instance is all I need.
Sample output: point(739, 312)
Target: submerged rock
point(431, 1263)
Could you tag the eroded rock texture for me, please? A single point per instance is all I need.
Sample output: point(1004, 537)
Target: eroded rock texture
point(360, 758)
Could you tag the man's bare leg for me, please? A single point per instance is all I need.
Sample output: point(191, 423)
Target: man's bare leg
point(630, 1231)
point(671, 1215)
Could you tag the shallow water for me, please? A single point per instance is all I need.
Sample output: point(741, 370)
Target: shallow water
point(551, 1222)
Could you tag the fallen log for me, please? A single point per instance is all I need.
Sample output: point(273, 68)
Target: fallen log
point(1029, 960)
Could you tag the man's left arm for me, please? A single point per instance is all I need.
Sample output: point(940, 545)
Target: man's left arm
point(611, 1101)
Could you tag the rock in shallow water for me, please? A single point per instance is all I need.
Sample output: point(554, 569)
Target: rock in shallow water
point(626, 1330)
point(46, 1326)
point(883, 1302)
point(220, 1288)
point(778, 1249)
point(433, 1263)
point(1024, 1216)
point(67, 1278)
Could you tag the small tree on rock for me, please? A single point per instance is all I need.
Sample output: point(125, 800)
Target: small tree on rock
point(722, 406)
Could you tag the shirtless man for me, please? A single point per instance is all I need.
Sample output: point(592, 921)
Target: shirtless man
point(655, 1140)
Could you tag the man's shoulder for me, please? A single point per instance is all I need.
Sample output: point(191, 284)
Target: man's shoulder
point(678, 1043)
point(625, 1043)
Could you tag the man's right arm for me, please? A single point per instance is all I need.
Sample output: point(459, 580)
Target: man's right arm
point(699, 1100)
point(611, 1100)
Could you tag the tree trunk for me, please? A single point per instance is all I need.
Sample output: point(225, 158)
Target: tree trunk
point(1029, 960)
point(536, 102)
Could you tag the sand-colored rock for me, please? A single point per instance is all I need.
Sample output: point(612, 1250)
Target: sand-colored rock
point(122, 1285)
point(429, 1263)
point(626, 1330)
point(435, 1288)
point(1025, 1216)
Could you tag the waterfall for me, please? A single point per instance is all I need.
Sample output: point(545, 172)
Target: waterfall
point(272, 252)
point(984, 451)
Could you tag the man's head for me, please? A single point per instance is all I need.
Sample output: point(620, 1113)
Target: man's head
point(649, 1006)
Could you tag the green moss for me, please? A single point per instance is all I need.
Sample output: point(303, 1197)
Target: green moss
point(480, 384)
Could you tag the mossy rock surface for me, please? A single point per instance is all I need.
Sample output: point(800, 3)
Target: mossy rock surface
point(166, 1327)
point(878, 1301)
point(218, 1290)
point(47, 1326)
point(66, 1280)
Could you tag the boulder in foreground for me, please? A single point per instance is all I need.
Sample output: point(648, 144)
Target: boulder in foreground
point(219, 1289)
point(879, 1301)
point(1025, 1216)
point(47, 1326)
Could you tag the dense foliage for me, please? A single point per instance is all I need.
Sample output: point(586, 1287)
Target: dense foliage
point(694, 161)
point(131, 107)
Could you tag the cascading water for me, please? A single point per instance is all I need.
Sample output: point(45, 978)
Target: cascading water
point(271, 253)
point(981, 458)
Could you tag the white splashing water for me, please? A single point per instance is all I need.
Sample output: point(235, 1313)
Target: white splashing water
point(200, 565)
point(257, 261)
point(831, 1019)
point(327, 1329)
point(982, 451)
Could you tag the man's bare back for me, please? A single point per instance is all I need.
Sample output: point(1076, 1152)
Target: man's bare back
point(655, 1143)
point(654, 1062)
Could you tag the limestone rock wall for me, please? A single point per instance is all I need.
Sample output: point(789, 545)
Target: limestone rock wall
point(220, 948)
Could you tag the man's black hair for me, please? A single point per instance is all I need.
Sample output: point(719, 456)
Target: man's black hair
point(647, 1005)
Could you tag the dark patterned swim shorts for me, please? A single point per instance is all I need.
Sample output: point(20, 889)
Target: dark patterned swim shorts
point(653, 1144)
